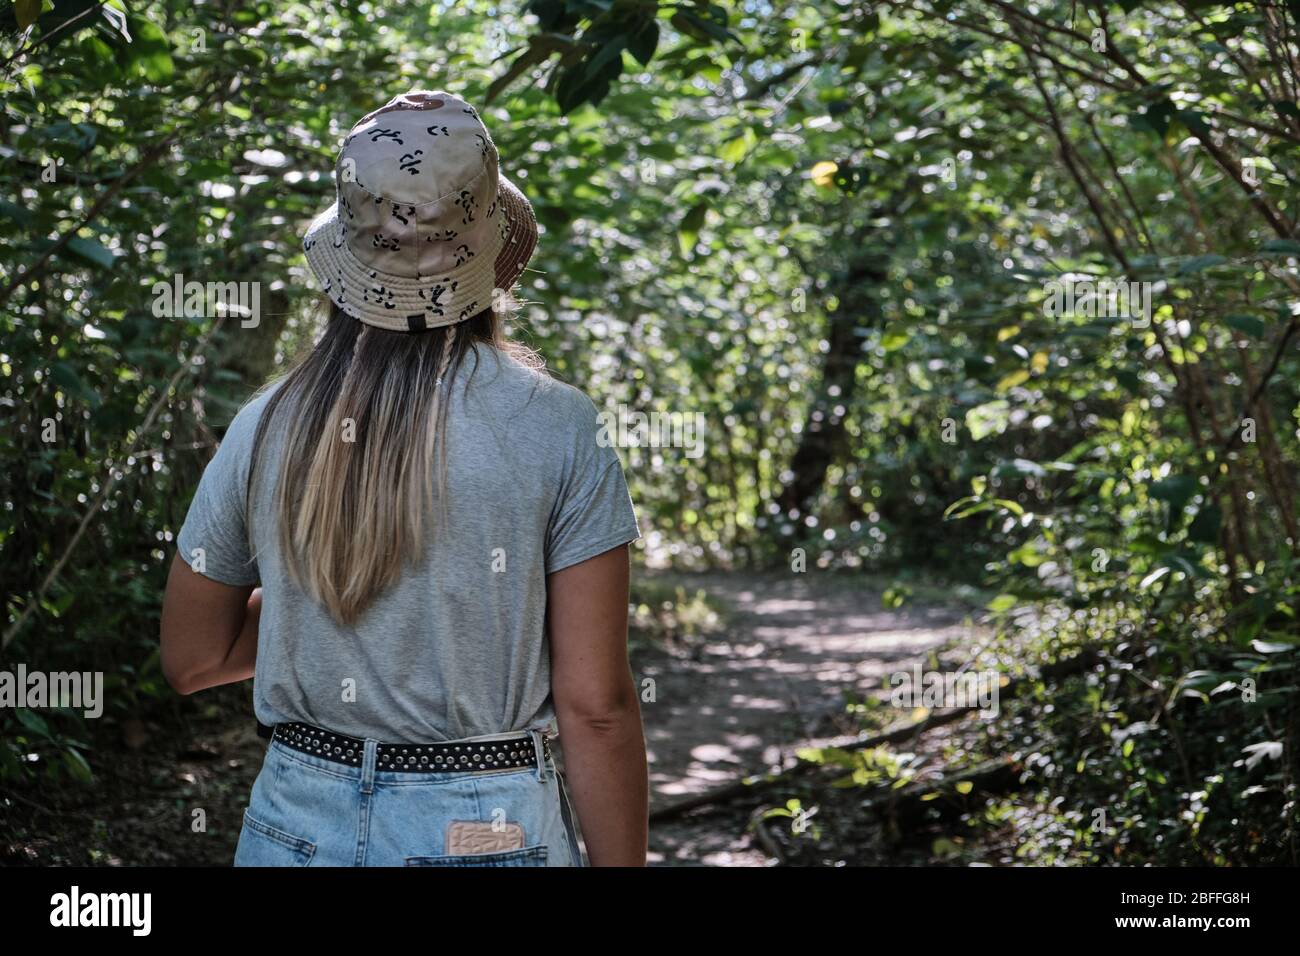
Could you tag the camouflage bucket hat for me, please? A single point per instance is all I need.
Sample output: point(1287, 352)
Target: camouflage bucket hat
point(425, 228)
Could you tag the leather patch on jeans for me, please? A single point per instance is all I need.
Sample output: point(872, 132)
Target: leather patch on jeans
point(469, 837)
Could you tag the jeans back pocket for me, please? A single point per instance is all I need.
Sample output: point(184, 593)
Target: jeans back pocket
point(263, 845)
point(528, 856)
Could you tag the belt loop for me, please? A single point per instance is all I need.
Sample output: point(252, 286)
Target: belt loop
point(540, 752)
point(368, 759)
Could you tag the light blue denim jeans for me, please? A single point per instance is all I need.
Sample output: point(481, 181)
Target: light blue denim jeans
point(308, 811)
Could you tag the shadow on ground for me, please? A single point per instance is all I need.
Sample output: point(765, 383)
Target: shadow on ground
point(796, 648)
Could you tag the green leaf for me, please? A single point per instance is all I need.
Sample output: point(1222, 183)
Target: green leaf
point(1205, 526)
point(150, 54)
point(896, 596)
point(57, 606)
point(644, 41)
point(991, 418)
point(696, 26)
point(117, 22)
point(688, 233)
point(1176, 490)
point(539, 50)
point(66, 377)
point(613, 48)
point(735, 150)
point(1010, 381)
point(91, 252)
point(77, 765)
point(1272, 647)
point(27, 12)
point(1249, 324)
point(1195, 122)
point(19, 214)
point(1036, 469)
point(32, 721)
point(963, 507)
point(1153, 577)
point(1199, 263)
point(1155, 119)
point(1282, 245)
point(895, 339)
point(1002, 603)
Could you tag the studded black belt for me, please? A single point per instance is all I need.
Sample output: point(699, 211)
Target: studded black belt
point(504, 754)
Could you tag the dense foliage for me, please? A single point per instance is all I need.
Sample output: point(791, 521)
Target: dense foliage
point(836, 230)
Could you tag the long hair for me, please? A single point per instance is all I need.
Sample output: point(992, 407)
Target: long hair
point(364, 419)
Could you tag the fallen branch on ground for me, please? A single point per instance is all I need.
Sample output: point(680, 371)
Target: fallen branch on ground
point(761, 781)
point(756, 782)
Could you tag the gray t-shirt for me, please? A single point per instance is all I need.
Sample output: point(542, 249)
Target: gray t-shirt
point(458, 646)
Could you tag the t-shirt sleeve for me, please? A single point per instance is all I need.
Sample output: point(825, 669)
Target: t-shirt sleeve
point(594, 513)
point(214, 538)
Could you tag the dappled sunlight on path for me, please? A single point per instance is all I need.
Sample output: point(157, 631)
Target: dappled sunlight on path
point(794, 651)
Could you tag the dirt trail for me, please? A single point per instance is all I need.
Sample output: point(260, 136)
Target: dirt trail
point(793, 647)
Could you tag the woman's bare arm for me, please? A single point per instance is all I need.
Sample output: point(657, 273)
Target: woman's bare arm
point(209, 630)
point(596, 707)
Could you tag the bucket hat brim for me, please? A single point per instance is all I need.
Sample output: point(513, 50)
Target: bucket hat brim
point(405, 304)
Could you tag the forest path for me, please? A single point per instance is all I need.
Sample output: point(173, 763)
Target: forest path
point(794, 649)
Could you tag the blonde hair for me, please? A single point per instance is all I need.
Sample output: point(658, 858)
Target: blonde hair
point(365, 418)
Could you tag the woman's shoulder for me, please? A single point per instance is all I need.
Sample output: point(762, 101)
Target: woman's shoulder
point(535, 389)
point(243, 426)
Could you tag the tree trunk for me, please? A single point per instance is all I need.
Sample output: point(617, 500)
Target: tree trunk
point(822, 440)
